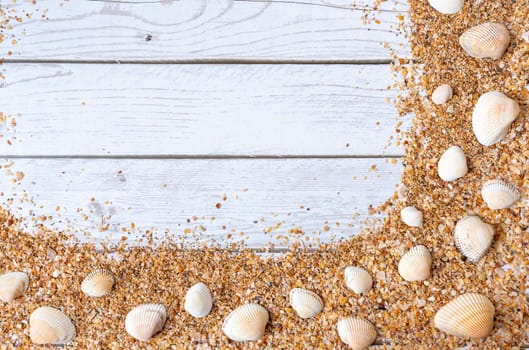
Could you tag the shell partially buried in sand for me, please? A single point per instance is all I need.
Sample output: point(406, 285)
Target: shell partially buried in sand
point(98, 283)
point(473, 237)
point(307, 304)
point(416, 264)
point(453, 164)
point(144, 321)
point(356, 332)
point(487, 40)
point(246, 323)
point(411, 216)
point(48, 325)
point(358, 279)
point(13, 285)
point(198, 301)
point(499, 194)
point(447, 7)
point(442, 94)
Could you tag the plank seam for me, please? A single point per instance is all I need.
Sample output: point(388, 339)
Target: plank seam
point(202, 156)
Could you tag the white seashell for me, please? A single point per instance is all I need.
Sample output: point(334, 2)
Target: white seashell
point(525, 36)
point(198, 301)
point(415, 265)
point(442, 94)
point(13, 285)
point(98, 283)
point(48, 325)
point(487, 40)
point(145, 320)
point(453, 164)
point(447, 7)
point(356, 332)
point(492, 117)
point(473, 237)
point(306, 303)
point(411, 216)
point(469, 315)
point(499, 195)
point(357, 279)
point(246, 323)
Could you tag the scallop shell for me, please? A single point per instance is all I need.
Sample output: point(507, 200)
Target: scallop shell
point(447, 7)
point(473, 237)
point(469, 315)
point(98, 283)
point(144, 321)
point(358, 279)
point(48, 325)
point(442, 94)
point(416, 264)
point(246, 323)
point(492, 117)
point(411, 216)
point(487, 40)
point(356, 332)
point(499, 195)
point(198, 301)
point(306, 303)
point(13, 285)
point(453, 164)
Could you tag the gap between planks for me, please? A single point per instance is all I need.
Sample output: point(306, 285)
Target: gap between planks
point(233, 61)
point(203, 156)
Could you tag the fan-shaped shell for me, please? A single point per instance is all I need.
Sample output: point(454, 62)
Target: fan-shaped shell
point(469, 315)
point(307, 304)
point(453, 164)
point(198, 300)
point(416, 264)
point(48, 325)
point(246, 323)
point(473, 237)
point(358, 279)
point(492, 117)
point(411, 216)
point(487, 40)
point(144, 321)
point(356, 332)
point(13, 285)
point(447, 7)
point(499, 194)
point(98, 283)
point(442, 94)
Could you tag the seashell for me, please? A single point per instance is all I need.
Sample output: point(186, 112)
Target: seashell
point(411, 216)
point(306, 303)
point(442, 94)
point(358, 279)
point(415, 265)
point(469, 315)
point(13, 285)
point(198, 301)
point(145, 320)
point(453, 164)
point(525, 36)
point(356, 332)
point(246, 323)
point(487, 40)
point(492, 117)
point(499, 195)
point(473, 237)
point(48, 325)
point(447, 7)
point(98, 283)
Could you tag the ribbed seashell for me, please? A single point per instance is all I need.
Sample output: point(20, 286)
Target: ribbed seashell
point(198, 300)
point(48, 325)
point(307, 304)
point(358, 279)
point(145, 320)
point(356, 332)
point(442, 94)
point(13, 285)
point(453, 164)
point(98, 283)
point(487, 40)
point(447, 7)
point(469, 315)
point(411, 216)
point(473, 237)
point(492, 117)
point(246, 323)
point(499, 194)
point(416, 264)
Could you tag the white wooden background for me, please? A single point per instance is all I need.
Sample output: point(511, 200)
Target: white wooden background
point(140, 115)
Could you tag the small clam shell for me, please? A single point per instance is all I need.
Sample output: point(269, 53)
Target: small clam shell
point(48, 325)
point(356, 332)
point(98, 283)
point(447, 7)
point(198, 301)
point(487, 40)
point(13, 285)
point(453, 164)
point(411, 216)
point(357, 279)
point(499, 195)
point(246, 323)
point(469, 315)
point(307, 304)
point(415, 265)
point(442, 94)
point(145, 320)
point(473, 237)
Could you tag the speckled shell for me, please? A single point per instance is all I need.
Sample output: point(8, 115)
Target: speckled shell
point(357, 279)
point(307, 304)
point(499, 194)
point(13, 285)
point(492, 117)
point(411, 216)
point(145, 320)
point(98, 283)
point(416, 264)
point(442, 94)
point(48, 325)
point(487, 40)
point(356, 332)
point(453, 164)
point(469, 315)
point(473, 237)
point(246, 323)
point(198, 300)
point(447, 7)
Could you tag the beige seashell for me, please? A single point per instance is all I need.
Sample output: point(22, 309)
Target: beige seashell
point(356, 332)
point(447, 7)
point(411, 216)
point(246, 323)
point(13, 285)
point(98, 283)
point(473, 237)
point(442, 94)
point(499, 195)
point(145, 320)
point(416, 264)
point(487, 40)
point(469, 315)
point(492, 117)
point(307, 304)
point(453, 164)
point(358, 279)
point(48, 325)
point(198, 300)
